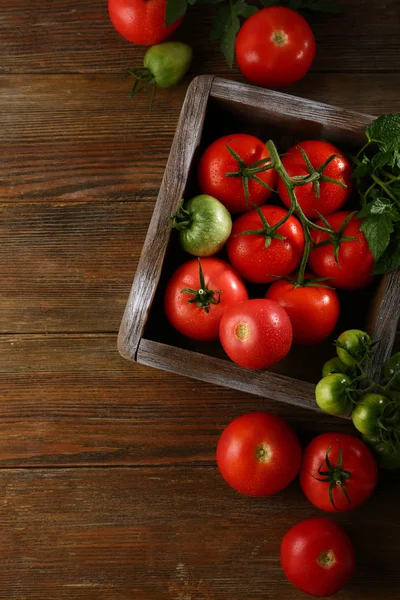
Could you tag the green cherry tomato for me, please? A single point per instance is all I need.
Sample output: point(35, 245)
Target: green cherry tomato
point(354, 343)
point(391, 367)
point(331, 394)
point(204, 225)
point(334, 365)
point(168, 63)
point(368, 413)
point(388, 455)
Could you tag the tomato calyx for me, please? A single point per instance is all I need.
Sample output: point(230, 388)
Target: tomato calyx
point(316, 175)
point(182, 219)
point(144, 78)
point(335, 476)
point(312, 282)
point(203, 297)
point(337, 237)
point(268, 232)
point(247, 172)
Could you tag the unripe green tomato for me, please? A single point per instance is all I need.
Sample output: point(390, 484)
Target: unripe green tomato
point(368, 412)
point(354, 341)
point(331, 394)
point(334, 365)
point(168, 62)
point(391, 367)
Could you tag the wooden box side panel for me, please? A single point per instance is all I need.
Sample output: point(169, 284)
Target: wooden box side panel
point(186, 140)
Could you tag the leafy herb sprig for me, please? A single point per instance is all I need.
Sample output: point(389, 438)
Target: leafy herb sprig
point(377, 175)
point(227, 22)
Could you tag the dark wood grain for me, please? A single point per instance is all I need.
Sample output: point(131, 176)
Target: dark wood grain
point(170, 534)
point(57, 37)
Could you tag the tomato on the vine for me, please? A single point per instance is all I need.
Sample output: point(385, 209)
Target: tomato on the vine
point(317, 556)
point(391, 371)
point(338, 472)
point(313, 310)
point(275, 47)
point(323, 196)
point(256, 333)
point(368, 415)
point(352, 346)
point(260, 254)
point(353, 269)
point(334, 365)
point(258, 454)
point(221, 174)
point(332, 394)
point(141, 21)
point(196, 298)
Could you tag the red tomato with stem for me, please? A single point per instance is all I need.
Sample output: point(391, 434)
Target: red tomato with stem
point(322, 196)
point(313, 309)
point(256, 333)
point(258, 257)
point(275, 47)
point(317, 557)
point(258, 454)
point(141, 21)
point(217, 165)
point(195, 299)
point(338, 472)
point(353, 270)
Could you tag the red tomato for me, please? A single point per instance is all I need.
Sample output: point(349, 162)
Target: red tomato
point(256, 334)
point(352, 472)
point(217, 161)
point(258, 454)
point(223, 288)
point(313, 311)
point(275, 47)
point(141, 21)
point(353, 271)
point(331, 196)
point(317, 556)
point(248, 252)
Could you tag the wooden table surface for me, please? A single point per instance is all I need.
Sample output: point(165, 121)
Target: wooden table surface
point(109, 488)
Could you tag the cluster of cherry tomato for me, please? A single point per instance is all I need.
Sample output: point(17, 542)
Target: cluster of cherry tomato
point(207, 299)
point(258, 455)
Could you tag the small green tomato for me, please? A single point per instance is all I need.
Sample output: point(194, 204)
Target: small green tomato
point(331, 394)
point(353, 345)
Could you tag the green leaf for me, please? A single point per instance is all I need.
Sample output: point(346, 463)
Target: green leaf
point(247, 11)
point(385, 131)
point(174, 10)
point(227, 24)
point(364, 169)
point(377, 230)
point(267, 3)
point(390, 259)
point(380, 206)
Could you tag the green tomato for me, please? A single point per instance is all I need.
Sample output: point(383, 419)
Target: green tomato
point(331, 394)
point(204, 225)
point(354, 344)
point(334, 365)
point(168, 63)
point(391, 367)
point(369, 412)
point(388, 455)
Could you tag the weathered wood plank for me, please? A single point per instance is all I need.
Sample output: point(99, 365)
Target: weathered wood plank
point(170, 534)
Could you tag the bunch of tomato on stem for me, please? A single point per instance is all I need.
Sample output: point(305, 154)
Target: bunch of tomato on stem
point(267, 244)
point(258, 454)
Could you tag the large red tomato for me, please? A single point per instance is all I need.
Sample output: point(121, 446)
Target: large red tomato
point(195, 306)
point(258, 454)
point(338, 472)
point(217, 162)
point(317, 556)
point(313, 310)
point(258, 257)
point(355, 261)
point(331, 195)
point(141, 21)
point(275, 47)
point(256, 334)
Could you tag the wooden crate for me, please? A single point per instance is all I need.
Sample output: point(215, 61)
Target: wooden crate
point(214, 107)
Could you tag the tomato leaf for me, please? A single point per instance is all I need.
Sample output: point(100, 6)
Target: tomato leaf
point(227, 24)
point(380, 206)
point(385, 131)
point(377, 229)
point(390, 259)
point(175, 9)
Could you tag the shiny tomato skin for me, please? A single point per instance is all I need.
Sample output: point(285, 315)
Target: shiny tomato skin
point(141, 22)
point(191, 320)
point(275, 47)
point(256, 334)
point(248, 254)
point(357, 460)
point(258, 454)
point(313, 311)
point(317, 557)
point(332, 196)
point(355, 259)
point(216, 161)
